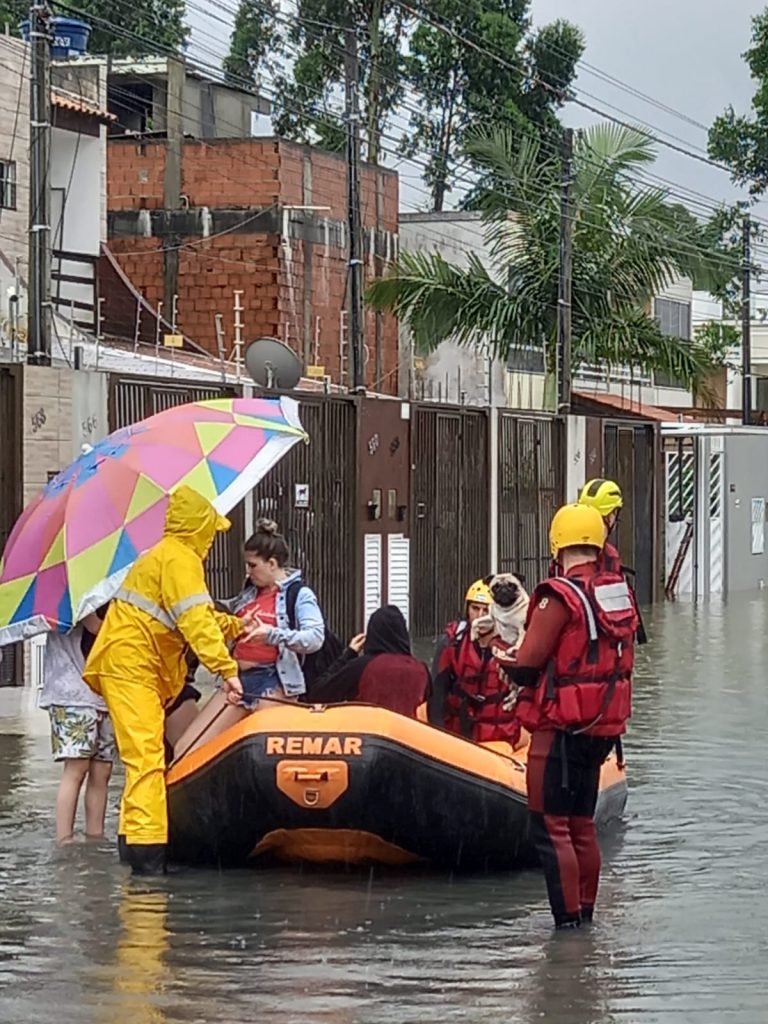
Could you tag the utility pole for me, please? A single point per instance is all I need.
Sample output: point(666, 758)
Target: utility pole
point(39, 333)
point(746, 323)
point(564, 375)
point(355, 278)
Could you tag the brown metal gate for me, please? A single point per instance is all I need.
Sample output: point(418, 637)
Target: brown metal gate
point(531, 485)
point(450, 515)
point(10, 491)
point(132, 400)
point(320, 524)
point(631, 458)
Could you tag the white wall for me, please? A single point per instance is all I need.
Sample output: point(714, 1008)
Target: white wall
point(451, 370)
point(90, 422)
point(77, 167)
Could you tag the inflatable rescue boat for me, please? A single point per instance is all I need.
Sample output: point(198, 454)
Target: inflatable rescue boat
point(355, 784)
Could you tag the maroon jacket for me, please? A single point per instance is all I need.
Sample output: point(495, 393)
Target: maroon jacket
point(385, 674)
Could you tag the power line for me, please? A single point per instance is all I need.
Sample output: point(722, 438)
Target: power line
point(572, 94)
point(680, 248)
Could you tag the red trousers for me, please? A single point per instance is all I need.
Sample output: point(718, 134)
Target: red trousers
point(563, 777)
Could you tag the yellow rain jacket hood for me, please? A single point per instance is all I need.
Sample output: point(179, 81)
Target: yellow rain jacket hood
point(164, 606)
point(194, 520)
point(138, 660)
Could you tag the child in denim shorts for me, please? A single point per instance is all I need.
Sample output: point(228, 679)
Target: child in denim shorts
point(81, 730)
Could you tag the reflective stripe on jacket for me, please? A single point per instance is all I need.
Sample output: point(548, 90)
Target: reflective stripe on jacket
point(164, 607)
point(587, 685)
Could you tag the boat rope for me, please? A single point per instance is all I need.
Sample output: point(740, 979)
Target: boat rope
point(222, 709)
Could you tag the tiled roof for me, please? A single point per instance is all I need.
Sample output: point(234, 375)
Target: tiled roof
point(627, 405)
point(81, 106)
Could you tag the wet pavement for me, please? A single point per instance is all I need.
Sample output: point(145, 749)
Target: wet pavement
point(681, 932)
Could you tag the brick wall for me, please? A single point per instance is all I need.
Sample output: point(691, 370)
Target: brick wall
point(292, 290)
point(135, 173)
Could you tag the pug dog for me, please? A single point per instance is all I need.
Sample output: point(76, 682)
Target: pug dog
point(506, 622)
point(509, 609)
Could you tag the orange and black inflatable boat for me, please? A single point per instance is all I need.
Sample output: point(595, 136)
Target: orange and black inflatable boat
point(354, 784)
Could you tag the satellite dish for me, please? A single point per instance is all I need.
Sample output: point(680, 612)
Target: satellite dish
point(272, 364)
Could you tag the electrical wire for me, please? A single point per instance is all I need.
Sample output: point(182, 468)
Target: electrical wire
point(131, 34)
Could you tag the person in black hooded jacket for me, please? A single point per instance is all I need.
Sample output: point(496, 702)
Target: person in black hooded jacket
point(385, 673)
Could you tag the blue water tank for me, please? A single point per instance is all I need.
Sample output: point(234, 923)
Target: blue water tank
point(69, 37)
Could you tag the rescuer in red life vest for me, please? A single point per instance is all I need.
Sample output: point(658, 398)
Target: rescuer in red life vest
point(606, 498)
point(468, 694)
point(574, 668)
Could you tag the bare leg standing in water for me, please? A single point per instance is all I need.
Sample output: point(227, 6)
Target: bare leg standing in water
point(217, 716)
point(84, 742)
point(71, 783)
point(96, 793)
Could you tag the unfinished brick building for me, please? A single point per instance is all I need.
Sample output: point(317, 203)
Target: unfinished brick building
point(203, 219)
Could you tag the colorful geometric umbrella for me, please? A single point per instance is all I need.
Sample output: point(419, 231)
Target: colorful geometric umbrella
point(73, 545)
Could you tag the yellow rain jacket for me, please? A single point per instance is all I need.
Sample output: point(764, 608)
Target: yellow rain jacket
point(138, 660)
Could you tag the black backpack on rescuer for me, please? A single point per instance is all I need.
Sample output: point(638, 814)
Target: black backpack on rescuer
point(313, 665)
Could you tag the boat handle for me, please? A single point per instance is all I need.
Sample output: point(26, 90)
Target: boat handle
point(312, 776)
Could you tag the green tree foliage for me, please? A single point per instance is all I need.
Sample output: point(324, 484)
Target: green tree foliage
point(256, 44)
point(304, 101)
point(629, 243)
point(741, 141)
point(454, 69)
point(160, 22)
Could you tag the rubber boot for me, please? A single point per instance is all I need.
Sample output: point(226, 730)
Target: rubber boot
point(587, 913)
point(146, 859)
point(122, 851)
point(567, 921)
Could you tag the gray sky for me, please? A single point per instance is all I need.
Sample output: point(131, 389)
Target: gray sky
point(684, 53)
point(676, 51)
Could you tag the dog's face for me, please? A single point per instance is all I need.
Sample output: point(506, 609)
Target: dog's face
point(506, 590)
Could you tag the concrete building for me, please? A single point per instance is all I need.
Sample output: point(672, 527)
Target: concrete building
point(143, 95)
point(451, 373)
point(14, 162)
point(706, 310)
point(147, 95)
point(77, 189)
point(465, 376)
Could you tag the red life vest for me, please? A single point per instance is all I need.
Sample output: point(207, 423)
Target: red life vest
point(609, 559)
point(587, 686)
point(473, 705)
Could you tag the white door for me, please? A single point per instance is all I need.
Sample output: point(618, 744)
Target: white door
point(399, 574)
point(371, 575)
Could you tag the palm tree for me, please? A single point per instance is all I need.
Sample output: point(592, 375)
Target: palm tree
point(629, 242)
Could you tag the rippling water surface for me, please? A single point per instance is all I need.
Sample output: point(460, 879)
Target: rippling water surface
point(682, 932)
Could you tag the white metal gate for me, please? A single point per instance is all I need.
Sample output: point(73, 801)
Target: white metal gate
point(694, 516)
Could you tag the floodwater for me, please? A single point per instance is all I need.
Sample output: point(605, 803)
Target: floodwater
point(682, 931)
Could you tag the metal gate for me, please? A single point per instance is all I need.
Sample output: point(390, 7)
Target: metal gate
point(450, 517)
point(312, 495)
point(630, 458)
point(531, 484)
point(10, 492)
point(132, 400)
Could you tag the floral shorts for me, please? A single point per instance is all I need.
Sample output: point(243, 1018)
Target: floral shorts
point(80, 733)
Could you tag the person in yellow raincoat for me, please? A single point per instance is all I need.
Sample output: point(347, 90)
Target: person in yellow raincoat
point(138, 663)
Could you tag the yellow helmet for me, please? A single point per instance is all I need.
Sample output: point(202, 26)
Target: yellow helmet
point(574, 526)
point(602, 495)
point(479, 593)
